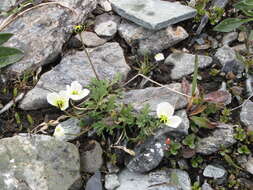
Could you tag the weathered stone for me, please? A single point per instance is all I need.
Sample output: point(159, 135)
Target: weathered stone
point(148, 41)
point(38, 162)
point(112, 168)
point(94, 183)
point(172, 179)
point(249, 165)
point(152, 14)
point(227, 58)
point(184, 63)
point(108, 60)
point(92, 160)
point(6, 4)
point(41, 36)
point(153, 96)
point(180, 131)
point(214, 172)
point(206, 186)
point(229, 38)
point(148, 155)
point(105, 4)
point(111, 181)
point(222, 136)
point(71, 129)
point(90, 39)
point(106, 25)
point(246, 115)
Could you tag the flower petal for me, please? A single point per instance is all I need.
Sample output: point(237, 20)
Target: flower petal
point(52, 98)
point(174, 121)
point(164, 108)
point(76, 86)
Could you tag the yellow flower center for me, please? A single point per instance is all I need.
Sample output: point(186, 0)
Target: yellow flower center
point(75, 92)
point(164, 118)
point(60, 103)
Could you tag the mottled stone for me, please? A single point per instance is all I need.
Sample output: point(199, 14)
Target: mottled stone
point(41, 36)
point(215, 172)
point(147, 41)
point(6, 4)
point(105, 4)
point(246, 115)
point(222, 136)
point(227, 57)
point(172, 179)
point(184, 64)
point(180, 131)
point(92, 160)
point(108, 60)
point(111, 181)
point(206, 186)
point(249, 165)
point(106, 25)
point(148, 155)
point(94, 183)
point(90, 39)
point(38, 162)
point(229, 38)
point(153, 96)
point(152, 14)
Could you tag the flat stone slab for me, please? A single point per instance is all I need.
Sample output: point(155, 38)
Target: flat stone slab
point(38, 162)
point(152, 14)
point(108, 60)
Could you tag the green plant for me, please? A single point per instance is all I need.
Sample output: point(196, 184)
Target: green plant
point(8, 55)
point(225, 117)
point(196, 161)
point(144, 65)
point(240, 134)
point(243, 150)
point(196, 186)
point(190, 141)
point(174, 148)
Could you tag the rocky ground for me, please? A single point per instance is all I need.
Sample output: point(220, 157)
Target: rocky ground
point(211, 149)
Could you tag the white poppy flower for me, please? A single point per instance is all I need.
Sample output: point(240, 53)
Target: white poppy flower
point(59, 100)
point(165, 113)
point(76, 92)
point(159, 57)
point(59, 132)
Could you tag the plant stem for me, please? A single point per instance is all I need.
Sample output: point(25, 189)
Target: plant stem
point(87, 54)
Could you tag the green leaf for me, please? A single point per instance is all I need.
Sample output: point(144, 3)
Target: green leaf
point(195, 75)
point(200, 121)
point(230, 24)
point(4, 37)
point(245, 4)
point(9, 55)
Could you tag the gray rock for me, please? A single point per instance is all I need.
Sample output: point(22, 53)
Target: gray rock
point(105, 4)
point(6, 4)
point(90, 39)
point(71, 128)
point(148, 41)
point(38, 162)
point(94, 183)
point(92, 160)
point(153, 96)
point(180, 131)
point(222, 136)
point(229, 38)
point(112, 168)
point(111, 181)
point(152, 14)
point(246, 115)
point(148, 155)
point(172, 179)
point(41, 36)
point(106, 25)
point(206, 186)
point(184, 63)
point(215, 172)
point(227, 58)
point(249, 165)
point(108, 59)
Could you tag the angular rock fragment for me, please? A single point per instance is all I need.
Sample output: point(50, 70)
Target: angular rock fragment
point(246, 115)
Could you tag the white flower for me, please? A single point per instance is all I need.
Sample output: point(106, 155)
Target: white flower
point(159, 57)
point(76, 92)
point(165, 113)
point(59, 100)
point(59, 132)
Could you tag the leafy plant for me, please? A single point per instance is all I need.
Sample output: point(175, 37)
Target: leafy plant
point(196, 186)
point(144, 66)
point(240, 134)
point(190, 141)
point(174, 148)
point(8, 55)
point(196, 161)
point(243, 150)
